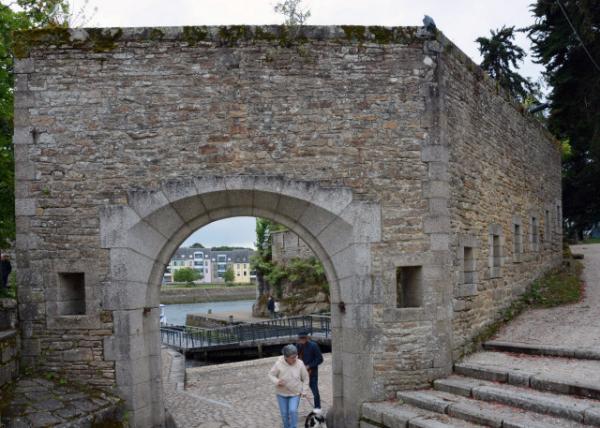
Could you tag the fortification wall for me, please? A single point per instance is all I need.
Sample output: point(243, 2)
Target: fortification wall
point(504, 173)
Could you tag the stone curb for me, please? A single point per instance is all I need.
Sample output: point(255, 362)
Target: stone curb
point(529, 380)
point(545, 350)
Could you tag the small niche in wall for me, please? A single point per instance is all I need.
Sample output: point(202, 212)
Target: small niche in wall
point(409, 289)
point(517, 243)
point(71, 293)
point(469, 265)
point(496, 257)
point(535, 239)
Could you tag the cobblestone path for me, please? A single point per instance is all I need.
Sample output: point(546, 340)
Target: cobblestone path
point(236, 395)
point(571, 326)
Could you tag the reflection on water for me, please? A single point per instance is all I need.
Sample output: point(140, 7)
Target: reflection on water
point(176, 313)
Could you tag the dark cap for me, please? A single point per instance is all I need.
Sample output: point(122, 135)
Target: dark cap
point(302, 334)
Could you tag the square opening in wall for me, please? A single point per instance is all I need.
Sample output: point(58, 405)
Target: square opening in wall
point(71, 293)
point(469, 266)
point(409, 289)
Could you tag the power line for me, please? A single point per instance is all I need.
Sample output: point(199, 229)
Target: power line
point(577, 35)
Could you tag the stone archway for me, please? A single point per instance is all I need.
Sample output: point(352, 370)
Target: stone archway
point(143, 234)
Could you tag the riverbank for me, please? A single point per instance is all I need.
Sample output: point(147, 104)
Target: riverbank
point(175, 295)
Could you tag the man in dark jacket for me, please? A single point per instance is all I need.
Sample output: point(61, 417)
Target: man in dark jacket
point(310, 354)
point(5, 268)
point(271, 306)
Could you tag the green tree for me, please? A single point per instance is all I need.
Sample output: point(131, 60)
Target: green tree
point(186, 274)
point(566, 40)
point(500, 57)
point(229, 276)
point(30, 14)
point(197, 245)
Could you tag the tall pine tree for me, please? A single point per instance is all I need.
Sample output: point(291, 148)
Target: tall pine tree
point(501, 57)
point(566, 39)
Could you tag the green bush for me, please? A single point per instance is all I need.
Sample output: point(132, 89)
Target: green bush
point(188, 275)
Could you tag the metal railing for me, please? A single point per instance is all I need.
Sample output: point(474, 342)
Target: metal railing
point(200, 338)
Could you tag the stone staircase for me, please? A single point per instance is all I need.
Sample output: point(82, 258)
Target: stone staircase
point(506, 385)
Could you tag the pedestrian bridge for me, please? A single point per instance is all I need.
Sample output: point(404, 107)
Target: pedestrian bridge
point(281, 330)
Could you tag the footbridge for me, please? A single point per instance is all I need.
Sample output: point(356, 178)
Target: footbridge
point(277, 331)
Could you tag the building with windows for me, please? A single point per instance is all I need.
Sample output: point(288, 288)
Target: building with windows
point(211, 264)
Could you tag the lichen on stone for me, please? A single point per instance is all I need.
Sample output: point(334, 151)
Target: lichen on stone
point(231, 34)
point(104, 40)
point(382, 35)
point(48, 36)
point(194, 35)
point(156, 34)
point(355, 33)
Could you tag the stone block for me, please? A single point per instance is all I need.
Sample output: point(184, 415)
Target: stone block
point(25, 207)
point(129, 266)
point(24, 65)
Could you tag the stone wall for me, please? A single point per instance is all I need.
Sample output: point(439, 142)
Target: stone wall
point(286, 245)
point(128, 140)
point(9, 341)
point(504, 170)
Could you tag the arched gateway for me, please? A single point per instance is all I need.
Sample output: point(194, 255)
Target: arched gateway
point(385, 149)
point(142, 236)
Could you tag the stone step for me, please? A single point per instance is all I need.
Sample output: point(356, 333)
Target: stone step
point(397, 415)
point(484, 413)
point(546, 350)
point(581, 410)
point(560, 375)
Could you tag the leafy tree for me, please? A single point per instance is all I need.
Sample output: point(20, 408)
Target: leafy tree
point(197, 245)
point(293, 13)
point(566, 40)
point(229, 276)
point(31, 14)
point(186, 274)
point(500, 57)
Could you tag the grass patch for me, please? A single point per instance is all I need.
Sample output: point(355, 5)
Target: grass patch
point(591, 241)
point(560, 286)
point(175, 285)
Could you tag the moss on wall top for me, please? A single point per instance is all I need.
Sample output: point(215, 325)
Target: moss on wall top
point(107, 39)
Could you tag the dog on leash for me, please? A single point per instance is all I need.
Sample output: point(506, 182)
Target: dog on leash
point(315, 419)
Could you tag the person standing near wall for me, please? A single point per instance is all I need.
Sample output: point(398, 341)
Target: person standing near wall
point(271, 307)
point(291, 382)
point(310, 353)
point(5, 269)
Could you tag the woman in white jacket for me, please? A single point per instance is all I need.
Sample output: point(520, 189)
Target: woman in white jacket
point(291, 382)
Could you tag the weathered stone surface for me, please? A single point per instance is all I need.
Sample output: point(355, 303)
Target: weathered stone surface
point(398, 152)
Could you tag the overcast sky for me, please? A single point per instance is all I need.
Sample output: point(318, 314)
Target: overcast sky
point(462, 21)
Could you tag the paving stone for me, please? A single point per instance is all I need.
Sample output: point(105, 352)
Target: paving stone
point(49, 405)
point(42, 419)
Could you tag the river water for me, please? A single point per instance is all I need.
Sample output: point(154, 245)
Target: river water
point(176, 313)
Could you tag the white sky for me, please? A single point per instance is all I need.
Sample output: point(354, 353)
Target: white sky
point(462, 21)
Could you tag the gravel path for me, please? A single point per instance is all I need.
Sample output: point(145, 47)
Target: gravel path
point(571, 326)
